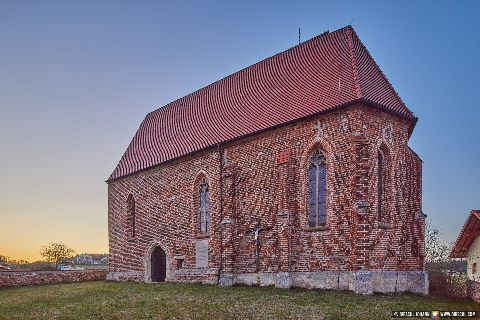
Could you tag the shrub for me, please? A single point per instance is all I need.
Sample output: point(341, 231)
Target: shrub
point(42, 266)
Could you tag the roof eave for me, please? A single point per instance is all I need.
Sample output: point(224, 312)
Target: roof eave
point(458, 250)
point(336, 108)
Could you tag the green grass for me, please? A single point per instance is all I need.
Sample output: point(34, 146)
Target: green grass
point(127, 300)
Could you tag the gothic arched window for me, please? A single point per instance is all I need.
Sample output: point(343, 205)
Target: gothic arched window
point(131, 215)
point(317, 190)
point(380, 174)
point(204, 207)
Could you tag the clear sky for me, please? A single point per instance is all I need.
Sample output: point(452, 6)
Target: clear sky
point(77, 78)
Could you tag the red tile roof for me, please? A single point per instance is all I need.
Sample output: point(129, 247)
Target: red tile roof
point(321, 74)
point(470, 230)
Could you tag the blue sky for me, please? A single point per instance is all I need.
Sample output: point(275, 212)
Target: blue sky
point(77, 78)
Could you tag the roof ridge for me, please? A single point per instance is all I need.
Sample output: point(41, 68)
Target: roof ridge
point(354, 34)
point(302, 44)
point(476, 213)
point(353, 62)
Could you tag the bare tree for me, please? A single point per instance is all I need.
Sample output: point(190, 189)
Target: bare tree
point(56, 252)
point(443, 277)
point(435, 249)
point(3, 259)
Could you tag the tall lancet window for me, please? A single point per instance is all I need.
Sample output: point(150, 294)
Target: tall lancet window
point(380, 182)
point(204, 207)
point(131, 215)
point(317, 190)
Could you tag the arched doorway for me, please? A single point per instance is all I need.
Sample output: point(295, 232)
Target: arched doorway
point(159, 265)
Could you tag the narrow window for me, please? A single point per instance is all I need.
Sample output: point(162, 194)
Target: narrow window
point(474, 268)
point(379, 186)
point(317, 190)
point(131, 215)
point(204, 207)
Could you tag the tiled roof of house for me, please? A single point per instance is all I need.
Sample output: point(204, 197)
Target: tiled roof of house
point(324, 73)
point(470, 230)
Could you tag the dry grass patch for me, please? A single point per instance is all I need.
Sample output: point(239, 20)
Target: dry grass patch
point(110, 300)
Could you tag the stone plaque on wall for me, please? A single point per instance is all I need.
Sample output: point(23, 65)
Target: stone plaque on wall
point(201, 253)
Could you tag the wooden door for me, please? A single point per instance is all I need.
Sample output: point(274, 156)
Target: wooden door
point(159, 265)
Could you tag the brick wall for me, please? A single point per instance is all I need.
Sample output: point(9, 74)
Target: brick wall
point(30, 278)
point(259, 190)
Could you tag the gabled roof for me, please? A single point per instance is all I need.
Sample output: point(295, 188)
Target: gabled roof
point(322, 74)
point(470, 230)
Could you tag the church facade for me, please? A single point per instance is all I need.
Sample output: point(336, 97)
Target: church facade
point(293, 172)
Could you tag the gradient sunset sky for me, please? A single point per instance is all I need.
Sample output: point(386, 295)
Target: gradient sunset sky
point(77, 78)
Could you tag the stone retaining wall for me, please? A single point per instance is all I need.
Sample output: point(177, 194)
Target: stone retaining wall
point(30, 278)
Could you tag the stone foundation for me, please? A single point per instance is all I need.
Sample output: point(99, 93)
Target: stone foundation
point(125, 276)
point(30, 278)
point(200, 275)
point(364, 282)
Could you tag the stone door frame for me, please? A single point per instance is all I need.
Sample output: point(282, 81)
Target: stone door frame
point(148, 262)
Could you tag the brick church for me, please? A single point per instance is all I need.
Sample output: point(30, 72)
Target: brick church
point(292, 172)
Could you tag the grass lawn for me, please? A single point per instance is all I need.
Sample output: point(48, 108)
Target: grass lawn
point(128, 300)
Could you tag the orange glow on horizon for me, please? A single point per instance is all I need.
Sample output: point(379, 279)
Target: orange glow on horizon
point(23, 235)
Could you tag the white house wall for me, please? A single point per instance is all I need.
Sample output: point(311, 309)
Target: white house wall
point(473, 256)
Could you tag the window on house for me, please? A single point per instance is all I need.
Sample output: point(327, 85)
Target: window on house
point(204, 207)
point(474, 268)
point(317, 190)
point(380, 182)
point(131, 215)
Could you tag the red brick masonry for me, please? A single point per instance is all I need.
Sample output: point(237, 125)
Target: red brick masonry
point(29, 278)
point(353, 248)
